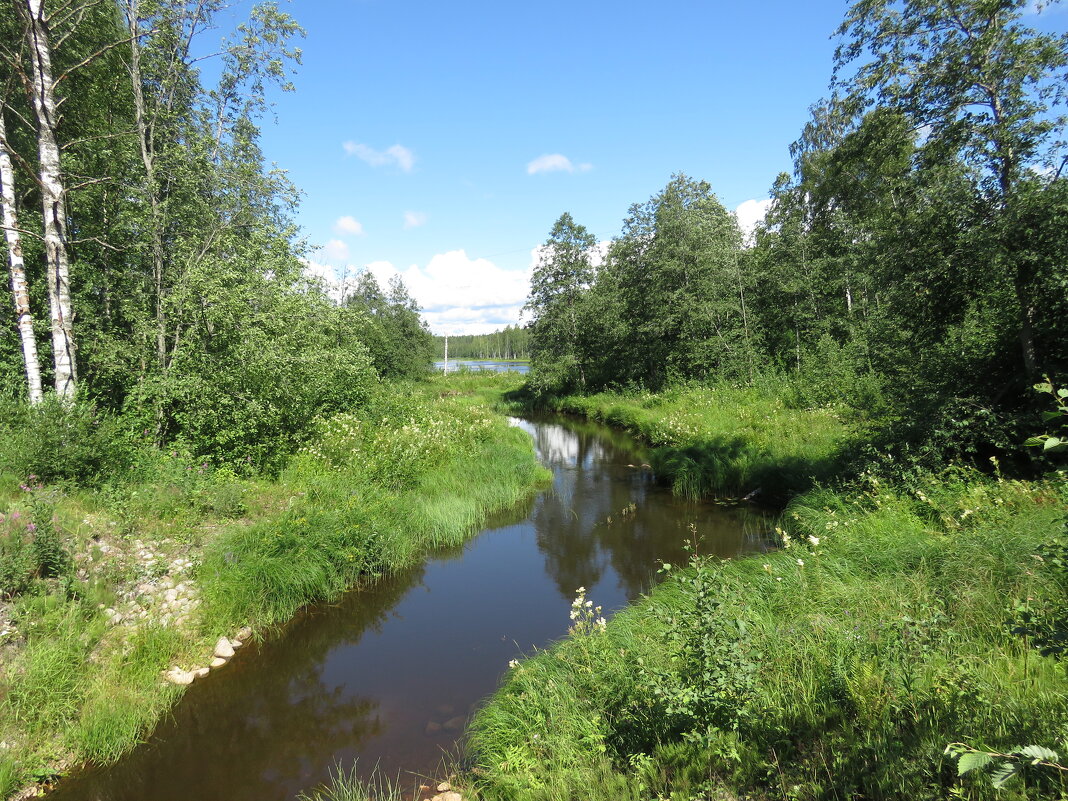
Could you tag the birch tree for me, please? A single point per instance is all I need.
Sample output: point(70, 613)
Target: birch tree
point(42, 91)
point(19, 288)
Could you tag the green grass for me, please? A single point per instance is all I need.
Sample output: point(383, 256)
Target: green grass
point(726, 440)
point(373, 492)
point(842, 677)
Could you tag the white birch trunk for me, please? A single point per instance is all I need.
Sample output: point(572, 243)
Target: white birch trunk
point(53, 202)
point(19, 288)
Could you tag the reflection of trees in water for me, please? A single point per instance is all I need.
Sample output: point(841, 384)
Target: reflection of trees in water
point(260, 730)
point(605, 511)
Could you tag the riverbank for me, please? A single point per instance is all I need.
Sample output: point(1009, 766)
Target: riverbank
point(897, 620)
point(727, 440)
point(149, 575)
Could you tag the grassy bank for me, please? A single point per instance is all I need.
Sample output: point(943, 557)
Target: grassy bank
point(727, 440)
point(148, 573)
point(838, 667)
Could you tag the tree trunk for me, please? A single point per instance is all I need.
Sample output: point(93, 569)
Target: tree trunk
point(148, 160)
point(19, 288)
point(53, 201)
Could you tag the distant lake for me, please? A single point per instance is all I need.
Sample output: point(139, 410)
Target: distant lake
point(476, 364)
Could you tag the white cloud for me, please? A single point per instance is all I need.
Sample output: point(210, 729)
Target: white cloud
point(335, 251)
point(413, 219)
point(348, 225)
point(457, 294)
point(749, 213)
point(397, 155)
point(555, 162)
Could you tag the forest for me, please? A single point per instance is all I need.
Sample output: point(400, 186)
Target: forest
point(511, 342)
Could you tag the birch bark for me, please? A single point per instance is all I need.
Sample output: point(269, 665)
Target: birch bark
point(19, 288)
point(53, 201)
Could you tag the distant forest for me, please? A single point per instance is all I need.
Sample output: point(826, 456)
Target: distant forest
point(508, 343)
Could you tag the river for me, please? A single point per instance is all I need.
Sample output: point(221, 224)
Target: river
point(390, 675)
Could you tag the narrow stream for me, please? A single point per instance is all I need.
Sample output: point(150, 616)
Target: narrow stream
point(389, 676)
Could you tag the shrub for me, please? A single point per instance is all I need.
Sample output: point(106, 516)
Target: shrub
point(59, 442)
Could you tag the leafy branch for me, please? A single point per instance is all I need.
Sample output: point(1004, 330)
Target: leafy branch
point(1005, 765)
point(1051, 442)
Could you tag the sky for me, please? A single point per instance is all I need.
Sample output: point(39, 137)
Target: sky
point(442, 140)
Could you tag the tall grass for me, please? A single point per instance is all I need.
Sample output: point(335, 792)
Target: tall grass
point(727, 440)
point(838, 667)
point(372, 492)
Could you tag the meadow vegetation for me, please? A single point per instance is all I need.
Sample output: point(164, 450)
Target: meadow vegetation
point(86, 622)
point(893, 622)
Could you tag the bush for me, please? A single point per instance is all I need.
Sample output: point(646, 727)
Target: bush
point(57, 442)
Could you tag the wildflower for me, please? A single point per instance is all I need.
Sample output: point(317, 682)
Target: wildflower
point(513, 663)
point(767, 568)
point(813, 540)
point(800, 562)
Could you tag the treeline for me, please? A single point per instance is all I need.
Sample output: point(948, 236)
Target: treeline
point(155, 264)
point(912, 261)
point(511, 342)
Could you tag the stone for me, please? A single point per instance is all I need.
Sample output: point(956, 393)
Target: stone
point(171, 595)
point(452, 795)
point(454, 724)
point(201, 672)
point(178, 676)
point(433, 727)
point(444, 787)
point(223, 648)
point(235, 644)
point(244, 633)
point(218, 662)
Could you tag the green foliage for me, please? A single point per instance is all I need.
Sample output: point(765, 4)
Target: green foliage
point(1051, 442)
point(57, 442)
point(880, 627)
point(1020, 761)
point(727, 440)
point(348, 786)
point(510, 343)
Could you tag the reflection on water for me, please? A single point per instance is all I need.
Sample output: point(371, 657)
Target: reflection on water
point(390, 674)
point(455, 365)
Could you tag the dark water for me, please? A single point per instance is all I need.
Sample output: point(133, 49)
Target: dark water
point(390, 675)
point(456, 365)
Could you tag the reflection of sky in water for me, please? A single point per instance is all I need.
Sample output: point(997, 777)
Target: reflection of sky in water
point(455, 365)
point(390, 675)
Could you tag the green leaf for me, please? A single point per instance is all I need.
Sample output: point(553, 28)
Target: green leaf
point(1054, 442)
point(1062, 392)
point(972, 761)
point(1039, 753)
point(1044, 387)
point(1003, 773)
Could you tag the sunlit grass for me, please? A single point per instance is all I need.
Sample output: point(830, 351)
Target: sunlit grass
point(875, 643)
point(725, 440)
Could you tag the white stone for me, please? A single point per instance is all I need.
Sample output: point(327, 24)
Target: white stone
point(223, 648)
point(218, 662)
point(201, 672)
point(235, 644)
point(244, 633)
point(180, 677)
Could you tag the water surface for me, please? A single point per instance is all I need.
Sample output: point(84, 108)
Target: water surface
point(390, 675)
point(489, 365)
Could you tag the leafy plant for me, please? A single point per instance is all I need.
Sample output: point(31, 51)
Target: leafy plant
point(1021, 760)
point(1052, 442)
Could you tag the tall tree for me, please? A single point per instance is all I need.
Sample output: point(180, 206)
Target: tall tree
point(563, 275)
point(42, 90)
point(978, 85)
point(19, 288)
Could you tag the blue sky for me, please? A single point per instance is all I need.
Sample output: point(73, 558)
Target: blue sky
point(441, 140)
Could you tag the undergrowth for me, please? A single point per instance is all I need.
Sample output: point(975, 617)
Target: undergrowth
point(838, 667)
point(727, 440)
point(374, 490)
